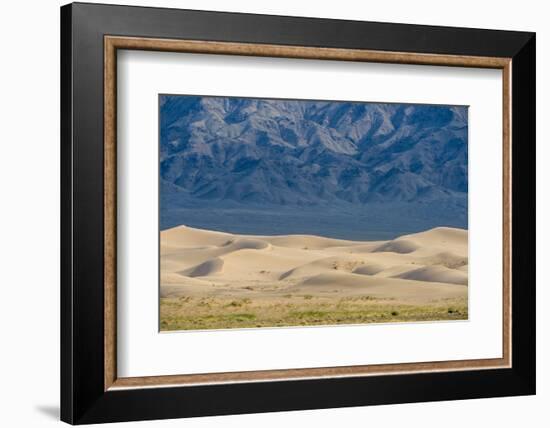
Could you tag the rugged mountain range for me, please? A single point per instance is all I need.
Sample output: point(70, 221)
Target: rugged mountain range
point(289, 152)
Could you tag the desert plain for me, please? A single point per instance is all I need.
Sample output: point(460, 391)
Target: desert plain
point(217, 280)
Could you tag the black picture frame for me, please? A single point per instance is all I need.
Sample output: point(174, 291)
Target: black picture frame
point(83, 396)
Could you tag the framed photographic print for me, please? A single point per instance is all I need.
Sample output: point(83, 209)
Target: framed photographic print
point(265, 213)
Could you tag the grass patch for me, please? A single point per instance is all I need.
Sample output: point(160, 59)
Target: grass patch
point(241, 317)
point(294, 310)
point(307, 314)
point(238, 303)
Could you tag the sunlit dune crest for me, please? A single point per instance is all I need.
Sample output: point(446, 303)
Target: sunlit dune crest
point(419, 267)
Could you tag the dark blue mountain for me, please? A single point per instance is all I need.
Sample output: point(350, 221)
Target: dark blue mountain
point(310, 153)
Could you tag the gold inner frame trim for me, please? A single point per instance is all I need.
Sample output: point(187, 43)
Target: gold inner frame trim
point(113, 43)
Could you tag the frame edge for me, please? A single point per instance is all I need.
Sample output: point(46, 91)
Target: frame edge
point(81, 401)
point(524, 215)
point(113, 43)
point(66, 316)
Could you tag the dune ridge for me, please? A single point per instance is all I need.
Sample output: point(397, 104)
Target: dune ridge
point(420, 268)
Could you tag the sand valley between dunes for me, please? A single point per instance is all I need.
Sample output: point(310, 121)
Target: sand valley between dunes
point(221, 280)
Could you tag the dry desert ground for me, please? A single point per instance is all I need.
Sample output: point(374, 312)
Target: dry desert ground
point(216, 280)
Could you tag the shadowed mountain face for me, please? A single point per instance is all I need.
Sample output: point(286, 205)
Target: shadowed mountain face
point(266, 152)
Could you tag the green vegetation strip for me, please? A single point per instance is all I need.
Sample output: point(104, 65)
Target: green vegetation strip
point(216, 313)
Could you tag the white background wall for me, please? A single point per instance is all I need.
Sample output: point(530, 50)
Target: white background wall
point(29, 214)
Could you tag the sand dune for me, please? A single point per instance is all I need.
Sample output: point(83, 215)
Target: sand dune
point(400, 246)
point(328, 264)
point(172, 285)
point(209, 267)
point(307, 242)
point(187, 237)
point(353, 284)
point(369, 269)
point(436, 274)
point(421, 267)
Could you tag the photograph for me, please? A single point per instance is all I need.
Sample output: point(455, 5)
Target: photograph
point(297, 212)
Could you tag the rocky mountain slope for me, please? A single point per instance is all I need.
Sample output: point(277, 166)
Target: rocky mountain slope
point(307, 153)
